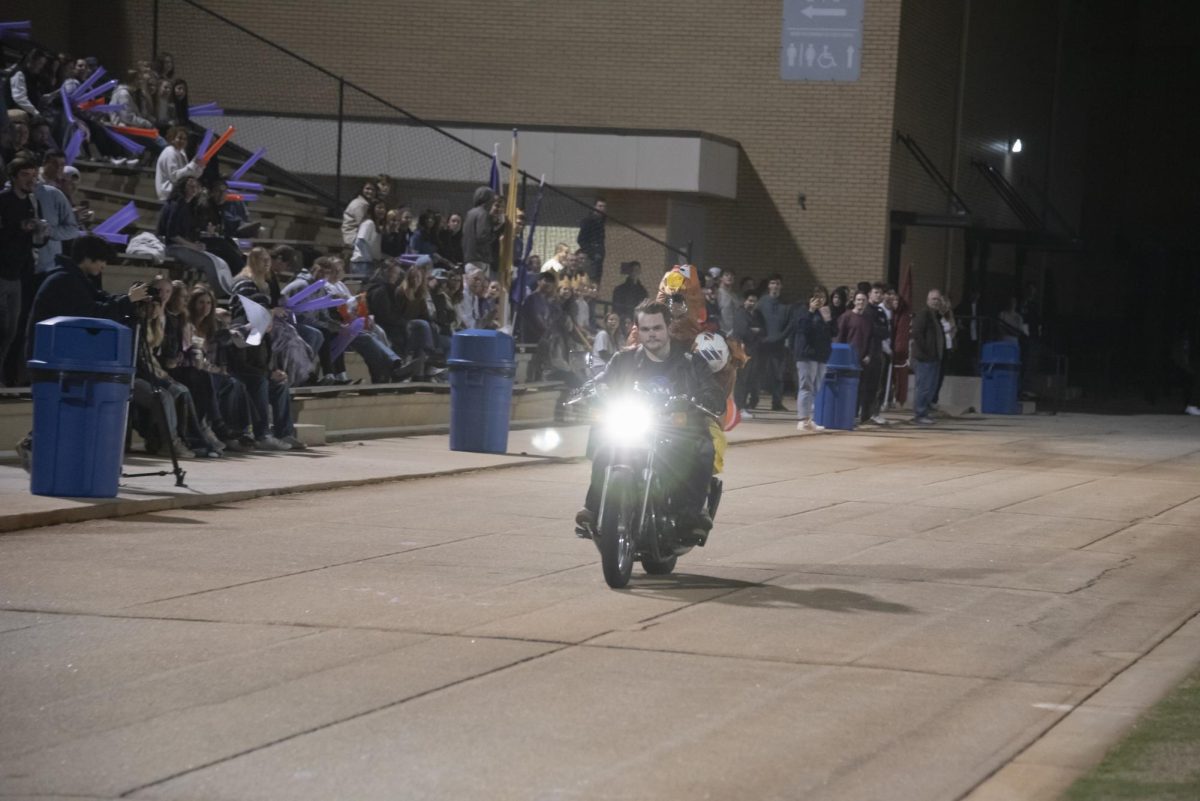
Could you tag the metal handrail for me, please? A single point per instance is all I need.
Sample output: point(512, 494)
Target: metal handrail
point(343, 83)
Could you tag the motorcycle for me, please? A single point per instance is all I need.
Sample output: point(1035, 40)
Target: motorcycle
point(637, 519)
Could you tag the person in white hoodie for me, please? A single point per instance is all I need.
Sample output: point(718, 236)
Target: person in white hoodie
point(174, 164)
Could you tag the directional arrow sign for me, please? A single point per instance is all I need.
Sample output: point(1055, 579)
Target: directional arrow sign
point(813, 11)
point(822, 40)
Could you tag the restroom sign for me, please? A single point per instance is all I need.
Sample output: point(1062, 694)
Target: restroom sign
point(822, 40)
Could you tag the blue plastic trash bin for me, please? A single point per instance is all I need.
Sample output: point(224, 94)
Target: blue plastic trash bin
point(836, 405)
point(81, 372)
point(1000, 367)
point(482, 366)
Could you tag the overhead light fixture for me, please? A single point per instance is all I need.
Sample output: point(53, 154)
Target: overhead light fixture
point(1016, 146)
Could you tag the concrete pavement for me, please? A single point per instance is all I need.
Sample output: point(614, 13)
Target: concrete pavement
point(975, 609)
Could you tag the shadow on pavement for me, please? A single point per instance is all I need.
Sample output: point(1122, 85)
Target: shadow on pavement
point(683, 586)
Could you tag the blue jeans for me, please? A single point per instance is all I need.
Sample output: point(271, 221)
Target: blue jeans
point(380, 358)
point(270, 402)
point(927, 379)
point(810, 376)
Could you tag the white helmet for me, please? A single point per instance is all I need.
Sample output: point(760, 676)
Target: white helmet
point(713, 349)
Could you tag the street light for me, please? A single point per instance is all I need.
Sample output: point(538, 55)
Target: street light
point(1016, 146)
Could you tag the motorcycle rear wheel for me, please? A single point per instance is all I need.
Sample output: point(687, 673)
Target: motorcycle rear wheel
point(616, 535)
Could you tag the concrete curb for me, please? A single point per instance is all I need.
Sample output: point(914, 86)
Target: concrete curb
point(129, 507)
point(1079, 740)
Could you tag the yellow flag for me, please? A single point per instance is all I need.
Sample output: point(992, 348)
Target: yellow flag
point(508, 244)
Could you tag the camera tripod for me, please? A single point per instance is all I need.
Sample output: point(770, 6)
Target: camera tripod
point(141, 353)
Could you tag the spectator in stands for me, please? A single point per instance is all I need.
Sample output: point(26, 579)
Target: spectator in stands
point(383, 187)
point(15, 139)
point(608, 339)
point(774, 317)
point(591, 238)
point(289, 348)
point(25, 85)
point(482, 229)
point(368, 242)
point(424, 240)
point(175, 354)
point(812, 343)
point(164, 104)
point(357, 211)
point(537, 309)
point(55, 210)
point(422, 346)
point(470, 309)
point(209, 352)
point(179, 103)
point(173, 163)
point(75, 73)
point(450, 239)
point(562, 254)
point(41, 141)
point(382, 360)
point(381, 291)
point(179, 233)
point(445, 315)
point(186, 436)
point(630, 292)
point(266, 384)
point(209, 210)
point(126, 96)
point(394, 240)
point(164, 65)
point(21, 231)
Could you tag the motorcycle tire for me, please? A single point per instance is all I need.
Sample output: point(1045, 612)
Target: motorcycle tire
point(616, 535)
point(659, 567)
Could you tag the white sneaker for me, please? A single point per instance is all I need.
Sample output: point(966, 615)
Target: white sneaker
point(746, 415)
point(269, 443)
point(293, 443)
point(879, 420)
point(804, 425)
point(813, 425)
point(1194, 411)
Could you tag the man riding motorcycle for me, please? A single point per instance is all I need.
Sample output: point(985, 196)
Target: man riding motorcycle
point(659, 363)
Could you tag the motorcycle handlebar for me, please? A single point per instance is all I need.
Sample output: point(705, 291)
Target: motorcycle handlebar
point(589, 391)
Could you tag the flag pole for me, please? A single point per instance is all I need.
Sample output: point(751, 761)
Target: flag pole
point(508, 244)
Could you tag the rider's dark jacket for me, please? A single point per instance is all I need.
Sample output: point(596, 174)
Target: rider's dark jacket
point(681, 372)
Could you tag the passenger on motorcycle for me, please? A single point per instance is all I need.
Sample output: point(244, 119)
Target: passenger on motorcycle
point(659, 363)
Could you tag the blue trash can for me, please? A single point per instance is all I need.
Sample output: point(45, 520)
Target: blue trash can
point(836, 405)
point(482, 366)
point(1000, 367)
point(81, 372)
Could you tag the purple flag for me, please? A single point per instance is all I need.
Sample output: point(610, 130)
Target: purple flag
point(494, 175)
point(346, 336)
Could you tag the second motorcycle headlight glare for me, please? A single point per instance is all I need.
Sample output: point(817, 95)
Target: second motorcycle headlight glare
point(628, 422)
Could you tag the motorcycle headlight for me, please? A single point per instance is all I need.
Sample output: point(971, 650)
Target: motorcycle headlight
point(627, 422)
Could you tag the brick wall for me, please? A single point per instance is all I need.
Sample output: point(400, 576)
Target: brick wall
point(702, 65)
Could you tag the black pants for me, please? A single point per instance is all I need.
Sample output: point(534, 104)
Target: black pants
point(684, 465)
point(771, 360)
point(868, 387)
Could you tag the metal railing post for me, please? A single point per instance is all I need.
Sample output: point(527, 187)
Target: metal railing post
point(337, 192)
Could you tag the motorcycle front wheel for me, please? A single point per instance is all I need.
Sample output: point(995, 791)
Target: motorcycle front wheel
point(659, 567)
point(616, 535)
